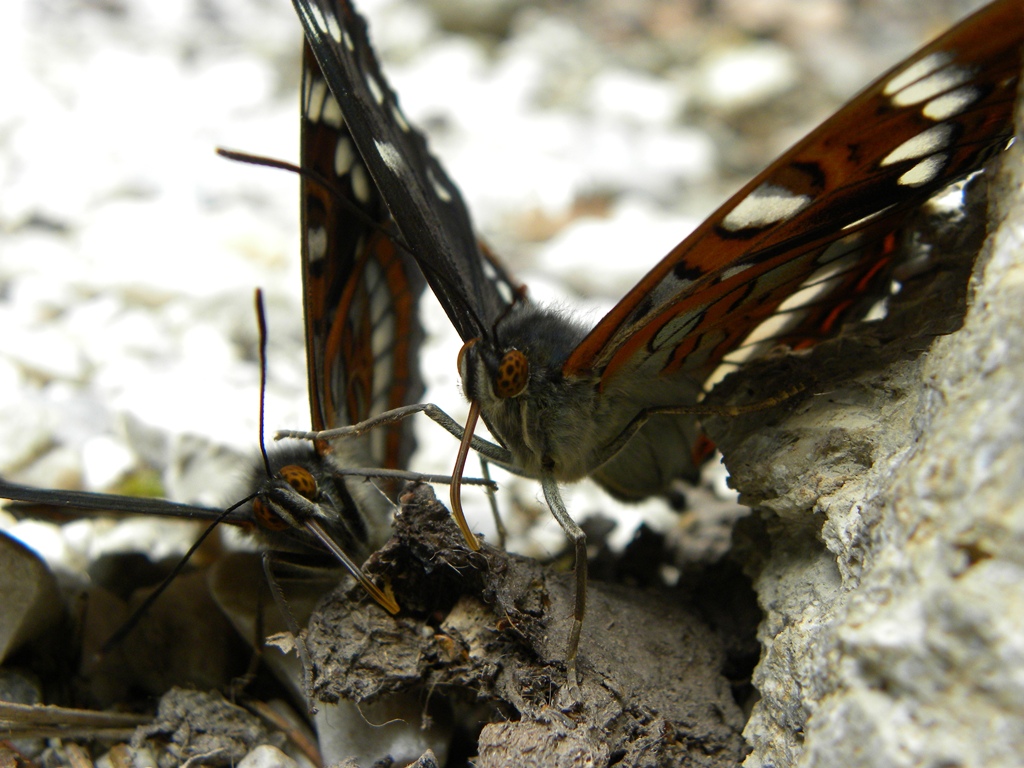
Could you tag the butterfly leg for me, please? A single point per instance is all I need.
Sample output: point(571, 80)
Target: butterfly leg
point(579, 608)
point(485, 470)
point(496, 453)
point(267, 559)
point(416, 477)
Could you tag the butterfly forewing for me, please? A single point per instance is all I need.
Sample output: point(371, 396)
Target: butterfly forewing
point(427, 207)
point(922, 125)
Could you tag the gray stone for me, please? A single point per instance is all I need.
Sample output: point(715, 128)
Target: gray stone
point(888, 552)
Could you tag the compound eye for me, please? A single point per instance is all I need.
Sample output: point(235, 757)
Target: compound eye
point(300, 479)
point(266, 518)
point(513, 374)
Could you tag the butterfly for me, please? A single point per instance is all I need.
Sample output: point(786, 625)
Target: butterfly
point(785, 261)
point(360, 297)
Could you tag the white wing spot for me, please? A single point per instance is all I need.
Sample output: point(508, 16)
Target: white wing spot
point(489, 271)
point(923, 172)
point(377, 289)
point(505, 291)
point(667, 289)
point(932, 86)
point(832, 269)
point(723, 370)
point(315, 106)
point(808, 294)
point(333, 28)
point(840, 248)
point(347, 39)
point(439, 189)
point(332, 113)
point(375, 90)
point(344, 156)
point(916, 71)
point(737, 357)
point(492, 276)
point(925, 143)
point(772, 327)
point(360, 184)
point(879, 310)
point(736, 269)
point(318, 17)
point(383, 336)
point(392, 157)
point(768, 204)
point(316, 243)
point(380, 306)
point(307, 93)
point(950, 104)
point(399, 118)
point(383, 376)
point(867, 219)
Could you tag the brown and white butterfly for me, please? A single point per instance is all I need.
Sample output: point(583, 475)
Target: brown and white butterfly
point(786, 261)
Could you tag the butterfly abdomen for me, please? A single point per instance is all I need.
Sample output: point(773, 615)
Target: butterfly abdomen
point(657, 455)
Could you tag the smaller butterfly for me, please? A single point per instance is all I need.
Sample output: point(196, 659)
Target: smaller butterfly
point(786, 261)
point(362, 339)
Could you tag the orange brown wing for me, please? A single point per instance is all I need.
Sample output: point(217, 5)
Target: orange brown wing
point(817, 220)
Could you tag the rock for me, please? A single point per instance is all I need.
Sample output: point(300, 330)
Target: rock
point(266, 756)
point(887, 548)
point(204, 726)
point(31, 602)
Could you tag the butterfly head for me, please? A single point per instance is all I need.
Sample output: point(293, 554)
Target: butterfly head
point(515, 377)
point(271, 508)
point(302, 488)
point(305, 505)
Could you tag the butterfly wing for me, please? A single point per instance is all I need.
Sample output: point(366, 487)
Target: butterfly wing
point(431, 216)
point(362, 338)
point(360, 290)
point(815, 224)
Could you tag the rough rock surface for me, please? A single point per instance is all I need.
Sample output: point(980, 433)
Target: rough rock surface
point(887, 552)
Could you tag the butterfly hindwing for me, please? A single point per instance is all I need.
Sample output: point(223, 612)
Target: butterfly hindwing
point(360, 291)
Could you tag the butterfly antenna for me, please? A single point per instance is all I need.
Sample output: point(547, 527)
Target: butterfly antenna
point(351, 208)
point(261, 323)
point(268, 162)
point(312, 176)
